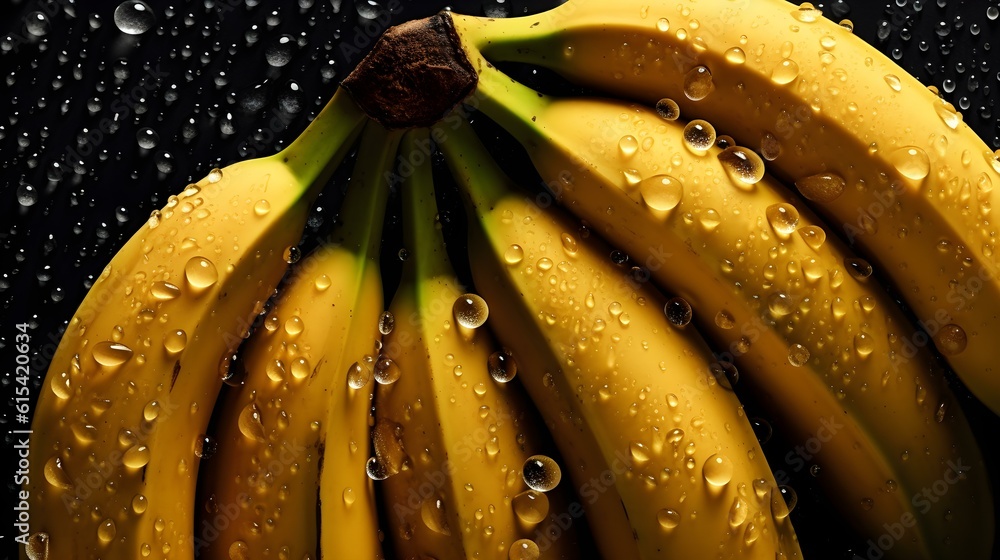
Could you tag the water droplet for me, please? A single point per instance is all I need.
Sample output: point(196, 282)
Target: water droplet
point(770, 146)
point(136, 457)
point(663, 25)
point(668, 518)
point(175, 341)
point(698, 83)
point(164, 291)
point(858, 268)
point(661, 192)
point(205, 447)
point(823, 188)
point(56, 475)
point(386, 371)
point(358, 376)
point(502, 366)
point(134, 17)
point(699, 136)
point(807, 13)
point(37, 24)
point(250, 423)
point(541, 473)
point(784, 219)
point(893, 82)
point(668, 109)
point(432, 512)
point(375, 470)
point(814, 236)
point(798, 355)
point(951, 340)
point(531, 506)
point(470, 311)
point(106, 531)
point(279, 51)
point(139, 504)
point(239, 551)
point(111, 354)
point(864, 344)
point(743, 166)
point(215, 175)
point(911, 162)
point(736, 55)
point(628, 146)
point(678, 312)
point(147, 138)
point(386, 322)
point(785, 72)
point(738, 512)
point(867, 504)
point(292, 254)
point(724, 320)
point(27, 195)
point(525, 549)
point(262, 207)
point(200, 273)
point(780, 304)
point(151, 411)
point(514, 254)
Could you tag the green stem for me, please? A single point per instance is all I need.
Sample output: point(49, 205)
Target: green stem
point(430, 257)
point(483, 182)
point(363, 210)
point(321, 147)
point(512, 39)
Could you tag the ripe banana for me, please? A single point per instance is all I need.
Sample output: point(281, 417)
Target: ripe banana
point(662, 455)
point(877, 153)
point(132, 385)
point(453, 438)
point(293, 439)
point(792, 307)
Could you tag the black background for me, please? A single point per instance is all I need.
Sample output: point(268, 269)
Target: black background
point(83, 70)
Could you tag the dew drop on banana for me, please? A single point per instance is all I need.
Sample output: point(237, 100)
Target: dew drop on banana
point(261, 207)
point(699, 136)
point(350, 496)
point(718, 470)
point(541, 473)
point(300, 368)
point(139, 504)
point(628, 145)
point(164, 291)
point(434, 516)
point(239, 551)
point(814, 236)
point(200, 273)
point(502, 366)
point(798, 355)
point(56, 475)
point(780, 304)
point(770, 146)
point(357, 376)
point(292, 254)
point(250, 423)
point(893, 82)
point(106, 531)
point(322, 282)
point(668, 109)
point(668, 519)
point(386, 322)
point(524, 549)
point(663, 25)
point(724, 320)
point(698, 83)
point(151, 411)
point(136, 457)
point(912, 162)
point(61, 386)
point(111, 354)
point(37, 547)
point(294, 325)
point(859, 269)
point(205, 446)
point(736, 55)
point(661, 192)
point(743, 166)
point(375, 470)
point(678, 312)
point(470, 311)
point(175, 340)
point(531, 506)
point(822, 188)
point(514, 254)
point(710, 219)
point(275, 370)
point(386, 371)
point(738, 512)
point(215, 175)
point(951, 340)
point(784, 219)
point(785, 72)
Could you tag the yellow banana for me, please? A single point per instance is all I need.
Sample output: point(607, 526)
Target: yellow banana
point(452, 437)
point(132, 385)
point(881, 156)
point(792, 307)
point(664, 459)
point(301, 415)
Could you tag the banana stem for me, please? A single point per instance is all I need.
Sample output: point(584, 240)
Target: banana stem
point(324, 143)
point(363, 209)
point(483, 182)
point(510, 35)
point(430, 257)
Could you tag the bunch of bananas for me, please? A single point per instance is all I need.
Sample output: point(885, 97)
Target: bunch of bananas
point(809, 189)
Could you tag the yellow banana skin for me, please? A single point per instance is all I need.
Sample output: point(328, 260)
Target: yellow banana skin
point(135, 377)
point(781, 303)
point(458, 438)
point(295, 415)
point(909, 175)
point(631, 398)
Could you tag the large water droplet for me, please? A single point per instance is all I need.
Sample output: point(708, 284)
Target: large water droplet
point(678, 311)
point(134, 17)
point(698, 83)
point(136, 457)
point(434, 516)
point(661, 192)
point(668, 109)
point(279, 52)
point(718, 470)
point(738, 512)
point(743, 166)
point(524, 549)
point(106, 531)
point(911, 162)
point(386, 371)
point(502, 366)
point(175, 340)
point(785, 72)
point(200, 273)
point(823, 188)
point(798, 355)
point(531, 506)
point(470, 311)
point(951, 340)
point(784, 219)
point(699, 136)
point(111, 354)
point(668, 518)
point(250, 424)
point(386, 322)
point(541, 473)
point(164, 291)
point(358, 376)
point(56, 475)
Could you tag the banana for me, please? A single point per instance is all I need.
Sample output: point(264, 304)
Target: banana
point(876, 152)
point(664, 459)
point(300, 417)
point(130, 390)
point(453, 439)
point(792, 307)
